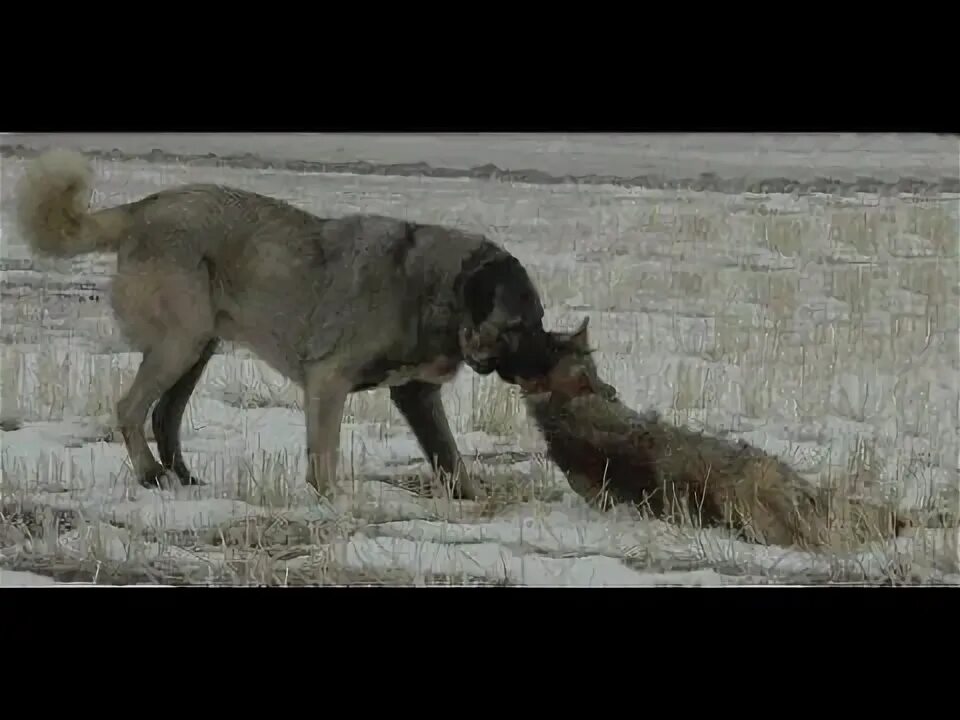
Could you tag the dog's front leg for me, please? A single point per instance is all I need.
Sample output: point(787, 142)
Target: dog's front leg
point(325, 393)
point(421, 405)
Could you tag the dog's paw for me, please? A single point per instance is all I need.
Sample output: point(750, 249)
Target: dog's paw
point(187, 479)
point(160, 478)
point(469, 489)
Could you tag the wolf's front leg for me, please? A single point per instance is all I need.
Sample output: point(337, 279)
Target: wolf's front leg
point(325, 394)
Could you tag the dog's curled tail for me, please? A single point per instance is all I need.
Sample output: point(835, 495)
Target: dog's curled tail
point(52, 203)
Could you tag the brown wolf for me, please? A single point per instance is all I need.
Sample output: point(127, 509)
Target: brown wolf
point(337, 305)
point(611, 454)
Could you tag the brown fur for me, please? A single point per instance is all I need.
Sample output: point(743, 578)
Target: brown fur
point(612, 455)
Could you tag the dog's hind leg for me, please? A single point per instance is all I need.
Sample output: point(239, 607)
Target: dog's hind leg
point(325, 394)
point(165, 310)
point(168, 414)
point(163, 365)
point(421, 405)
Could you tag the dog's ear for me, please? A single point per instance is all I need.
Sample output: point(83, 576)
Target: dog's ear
point(479, 290)
point(498, 285)
point(482, 282)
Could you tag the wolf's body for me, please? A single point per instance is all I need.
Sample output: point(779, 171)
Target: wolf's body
point(611, 454)
point(337, 305)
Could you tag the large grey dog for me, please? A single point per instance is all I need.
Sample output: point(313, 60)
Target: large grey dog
point(336, 305)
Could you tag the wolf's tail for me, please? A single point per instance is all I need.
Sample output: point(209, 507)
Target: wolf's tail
point(53, 211)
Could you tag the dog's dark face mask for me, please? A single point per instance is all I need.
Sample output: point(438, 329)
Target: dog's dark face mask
point(527, 355)
point(503, 329)
point(512, 349)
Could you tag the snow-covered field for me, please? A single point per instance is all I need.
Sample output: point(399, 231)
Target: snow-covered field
point(822, 327)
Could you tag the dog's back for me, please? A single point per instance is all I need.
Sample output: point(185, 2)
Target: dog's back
point(214, 260)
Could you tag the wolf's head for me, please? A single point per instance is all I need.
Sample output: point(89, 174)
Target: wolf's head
point(572, 369)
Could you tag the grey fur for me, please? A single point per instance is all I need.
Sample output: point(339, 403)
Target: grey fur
point(336, 305)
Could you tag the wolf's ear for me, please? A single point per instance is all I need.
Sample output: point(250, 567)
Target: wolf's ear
point(580, 338)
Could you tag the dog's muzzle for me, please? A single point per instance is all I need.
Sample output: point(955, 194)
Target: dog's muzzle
point(528, 360)
point(481, 367)
point(513, 352)
point(480, 349)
